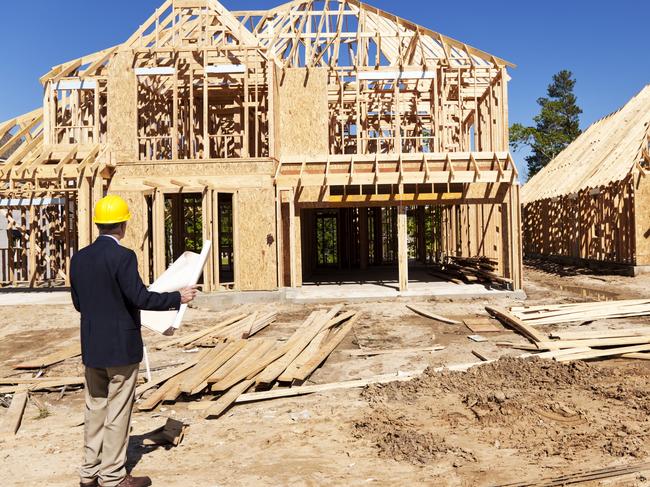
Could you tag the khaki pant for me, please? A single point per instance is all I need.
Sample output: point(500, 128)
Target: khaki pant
point(109, 400)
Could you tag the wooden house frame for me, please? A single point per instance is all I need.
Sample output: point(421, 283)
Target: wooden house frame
point(591, 204)
point(267, 118)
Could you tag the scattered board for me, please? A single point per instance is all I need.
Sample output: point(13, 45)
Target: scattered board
point(51, 359)
point(482, 325)
point(428, 314)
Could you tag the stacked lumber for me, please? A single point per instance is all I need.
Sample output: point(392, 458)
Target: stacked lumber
point(552, 314)
point(232, 361)
point(471, 270)
point(565, 346)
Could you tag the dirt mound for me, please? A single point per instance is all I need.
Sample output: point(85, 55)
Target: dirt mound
point(533, 406)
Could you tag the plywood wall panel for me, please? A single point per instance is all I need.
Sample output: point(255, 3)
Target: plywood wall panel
point(122, 107)
point(303, 115)
point(257, 255)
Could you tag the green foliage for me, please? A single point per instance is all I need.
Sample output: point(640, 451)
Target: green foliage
point(556, 125)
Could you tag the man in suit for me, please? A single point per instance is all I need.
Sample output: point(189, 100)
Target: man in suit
point(108, 292)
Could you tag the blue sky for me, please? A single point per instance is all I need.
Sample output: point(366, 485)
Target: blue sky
point(603, 43)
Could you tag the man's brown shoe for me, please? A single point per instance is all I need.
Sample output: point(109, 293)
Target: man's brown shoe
point(89, 484)
point(130, 481)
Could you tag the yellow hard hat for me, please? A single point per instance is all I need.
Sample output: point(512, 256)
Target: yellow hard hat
point(111, 209)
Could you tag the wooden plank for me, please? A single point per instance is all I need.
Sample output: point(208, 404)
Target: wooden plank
point(638, 355)
point(433, 316)
point(371, 353)
point(560, 353)
point(14, 416)
point(610, 352)
point(212, 360)
point(297, 344)
point(243, 369)
point(593, 342)
point(220, 405)
point(583, 476)
point(480, 356)
point(192, 337)
point(515, 323)
point(248, 349)
point(482, 325)
point(402, 248)
point(200, 382)
point(304, 371)
point(164, 376)
point(43, 383)
point(52, 358)
point(170, 389)
point(580, 335)
point(313, 389)
point(314, 346)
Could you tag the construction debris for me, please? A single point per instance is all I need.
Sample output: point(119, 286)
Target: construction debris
point(471, 270)
point(37, 384)
point(581, 312)
point(172, 433)
point(372, 353)
point(564, 346)
point(482, 325)
point(428, 314)
point(14, 416)
point(229, 365)
point(584, 476)
point(51, 359)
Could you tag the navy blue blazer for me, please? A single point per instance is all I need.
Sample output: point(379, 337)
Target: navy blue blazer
point(108, 292)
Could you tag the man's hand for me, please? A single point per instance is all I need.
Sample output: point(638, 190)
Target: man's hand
point(188, 294)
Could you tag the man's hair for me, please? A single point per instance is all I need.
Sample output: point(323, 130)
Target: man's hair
point(108, 227)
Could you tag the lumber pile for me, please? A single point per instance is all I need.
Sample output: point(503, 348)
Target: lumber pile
point(471, 270)
point(232, 361)
point(565, 346)
point(553, 314)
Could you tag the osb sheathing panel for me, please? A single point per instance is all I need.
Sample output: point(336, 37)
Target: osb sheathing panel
point(180, 169)
point(137, 228)
point(122, 106)
point(302, 123)
point(257, 257)
point(642, 220)
point(225, 176)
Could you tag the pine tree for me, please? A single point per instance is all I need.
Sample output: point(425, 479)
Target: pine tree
point(556, 125)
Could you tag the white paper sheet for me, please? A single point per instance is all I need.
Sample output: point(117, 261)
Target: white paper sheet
point(184, 271)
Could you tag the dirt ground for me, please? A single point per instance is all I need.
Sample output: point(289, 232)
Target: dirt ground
point(513, 420)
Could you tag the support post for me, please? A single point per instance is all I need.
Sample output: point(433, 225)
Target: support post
point(206, 230)
point(402, 248)
point(83, 212)
point(292, 239)
point(97, 194)
point(216, 251)
point(158, 222)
